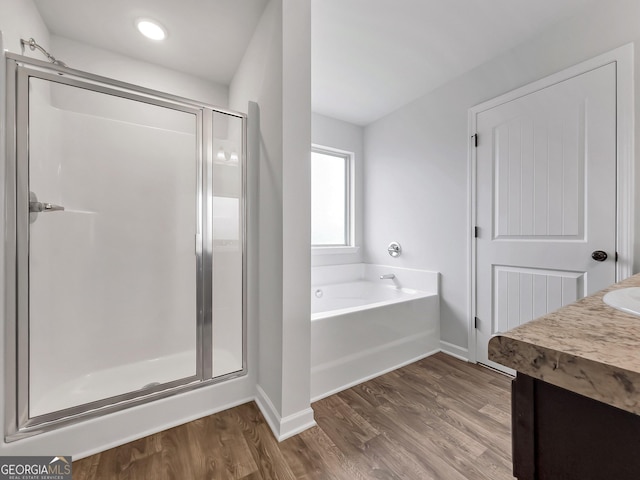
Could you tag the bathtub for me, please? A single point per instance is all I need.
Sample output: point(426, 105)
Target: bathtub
point(362, 326)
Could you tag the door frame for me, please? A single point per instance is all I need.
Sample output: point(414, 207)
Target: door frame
point(623, 58)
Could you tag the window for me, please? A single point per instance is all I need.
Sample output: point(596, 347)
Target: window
point(331, 205)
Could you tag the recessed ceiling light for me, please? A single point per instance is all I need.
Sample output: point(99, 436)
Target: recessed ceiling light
point(151, 29)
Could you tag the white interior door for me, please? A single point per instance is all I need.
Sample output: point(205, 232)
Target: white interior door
point(546, 201)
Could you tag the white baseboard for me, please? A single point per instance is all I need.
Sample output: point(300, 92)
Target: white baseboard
point(454, 350)
point(294, 424)
point(269, 412)
point(288, 426)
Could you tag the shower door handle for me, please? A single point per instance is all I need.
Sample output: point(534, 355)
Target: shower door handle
point(42, 207)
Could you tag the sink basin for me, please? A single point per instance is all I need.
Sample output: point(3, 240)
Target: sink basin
point(625, 299)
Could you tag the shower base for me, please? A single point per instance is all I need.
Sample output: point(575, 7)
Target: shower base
point(122, 379)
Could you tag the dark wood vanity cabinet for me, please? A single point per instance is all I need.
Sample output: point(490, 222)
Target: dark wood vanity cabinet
point(561, 435)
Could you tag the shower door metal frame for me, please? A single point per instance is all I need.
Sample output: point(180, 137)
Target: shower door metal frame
point(19, 70)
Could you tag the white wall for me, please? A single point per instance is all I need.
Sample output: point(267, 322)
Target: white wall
point(296, 203)
point(330, 132)
point(275, 73)
point(113, 65)
point(259, 79)
point(20, 19)
point(416, 158)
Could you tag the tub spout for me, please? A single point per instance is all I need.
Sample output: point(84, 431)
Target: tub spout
point(387, 276)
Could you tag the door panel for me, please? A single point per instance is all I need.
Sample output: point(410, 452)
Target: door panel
point(546, 199)
point(539, 174)
point(522, 294)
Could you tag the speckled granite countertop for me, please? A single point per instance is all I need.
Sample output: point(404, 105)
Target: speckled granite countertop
point(587, 347)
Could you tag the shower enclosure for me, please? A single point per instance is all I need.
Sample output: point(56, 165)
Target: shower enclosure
point(126, 240)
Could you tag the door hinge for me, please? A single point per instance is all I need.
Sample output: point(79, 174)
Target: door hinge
point(476, 231)
point(475, 322)
point(616, 256)
point(474, 140)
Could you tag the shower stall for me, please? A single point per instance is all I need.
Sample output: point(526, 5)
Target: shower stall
point(125, 245)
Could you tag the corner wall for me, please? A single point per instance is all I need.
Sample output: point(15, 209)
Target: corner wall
point(275, 73)
point(417, 155)
point(20, 20)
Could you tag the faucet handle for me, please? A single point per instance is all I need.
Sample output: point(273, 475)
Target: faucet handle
point(394, 249)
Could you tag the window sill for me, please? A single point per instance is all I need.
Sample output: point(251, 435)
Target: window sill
point(333, 250)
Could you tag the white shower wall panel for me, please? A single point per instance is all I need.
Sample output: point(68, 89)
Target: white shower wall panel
point(227, 310)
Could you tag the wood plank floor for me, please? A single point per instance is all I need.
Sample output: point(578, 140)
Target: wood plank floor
point(439, 418)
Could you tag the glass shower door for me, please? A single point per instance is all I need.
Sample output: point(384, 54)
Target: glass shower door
point(114, 246)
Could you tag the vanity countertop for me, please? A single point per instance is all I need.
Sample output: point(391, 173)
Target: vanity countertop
point(587, 347)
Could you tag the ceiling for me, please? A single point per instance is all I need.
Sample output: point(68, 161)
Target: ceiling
point(369, 57)
point(207, 38)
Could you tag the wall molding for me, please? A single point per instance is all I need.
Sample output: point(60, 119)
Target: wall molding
point(296, 423)
point(283, 427)
point(454, 350)
point(268, 410)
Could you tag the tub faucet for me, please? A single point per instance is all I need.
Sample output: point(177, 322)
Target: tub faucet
point(387, 276)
